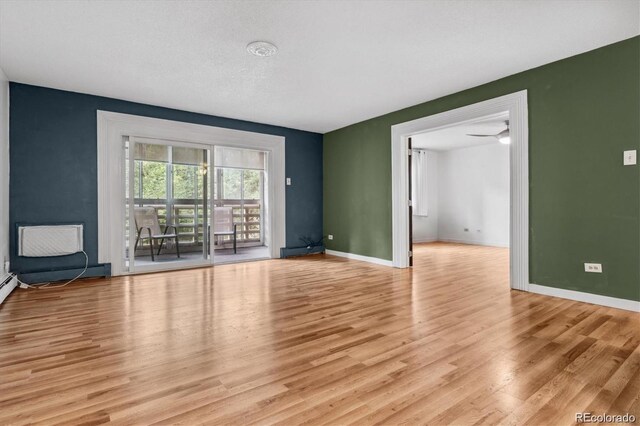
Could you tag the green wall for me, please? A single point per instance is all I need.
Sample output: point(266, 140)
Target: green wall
point(584, 111)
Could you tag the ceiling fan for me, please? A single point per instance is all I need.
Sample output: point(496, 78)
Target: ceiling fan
point(503, 137)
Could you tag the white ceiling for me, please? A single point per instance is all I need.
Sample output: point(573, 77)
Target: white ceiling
point(339, 62)
point(457, 137)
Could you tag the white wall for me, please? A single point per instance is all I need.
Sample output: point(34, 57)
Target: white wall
point(474, 194)
point(4, 171)
point(425, 228)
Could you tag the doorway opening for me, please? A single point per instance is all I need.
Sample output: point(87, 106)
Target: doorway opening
point(515, 105)
point(460, 193)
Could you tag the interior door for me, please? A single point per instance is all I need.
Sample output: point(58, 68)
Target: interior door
point(409, 168)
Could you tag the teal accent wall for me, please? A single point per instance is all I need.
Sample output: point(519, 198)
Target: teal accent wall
point(584, 111)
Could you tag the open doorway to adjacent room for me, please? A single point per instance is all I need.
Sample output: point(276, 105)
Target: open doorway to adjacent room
point(491, 123)
point(460, 194)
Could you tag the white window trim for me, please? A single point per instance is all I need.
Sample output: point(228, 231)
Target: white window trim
point(516, 105)
point(112, 127)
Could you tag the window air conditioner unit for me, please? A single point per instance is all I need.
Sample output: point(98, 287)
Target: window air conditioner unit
point(50, 240)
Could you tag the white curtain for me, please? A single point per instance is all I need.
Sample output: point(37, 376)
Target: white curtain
point(419, 183)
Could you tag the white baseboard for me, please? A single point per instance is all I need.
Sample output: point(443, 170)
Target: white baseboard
point(474, 243)
point(424, 240)
point(375, 260)
point(596, 299)
point(7, 289)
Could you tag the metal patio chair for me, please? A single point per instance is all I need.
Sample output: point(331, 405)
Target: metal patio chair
point(148, 228)
point(223, 224)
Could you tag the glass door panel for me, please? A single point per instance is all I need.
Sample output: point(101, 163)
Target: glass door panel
point(239, 204)
point(170, 208)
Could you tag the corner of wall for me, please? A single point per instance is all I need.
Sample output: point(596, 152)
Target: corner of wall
point(4, 171)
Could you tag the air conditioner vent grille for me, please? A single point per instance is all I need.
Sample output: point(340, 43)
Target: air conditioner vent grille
point(49, 240)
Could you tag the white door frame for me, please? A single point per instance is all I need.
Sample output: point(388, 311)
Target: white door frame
point(516, 105)
point(113, 127)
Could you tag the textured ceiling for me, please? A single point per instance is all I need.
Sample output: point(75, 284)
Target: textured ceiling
point(339, 62)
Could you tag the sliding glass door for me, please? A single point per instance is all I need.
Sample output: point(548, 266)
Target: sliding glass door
point(168, 215)
point(183, 209)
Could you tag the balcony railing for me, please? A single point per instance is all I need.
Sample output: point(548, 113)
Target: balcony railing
point(188, 216)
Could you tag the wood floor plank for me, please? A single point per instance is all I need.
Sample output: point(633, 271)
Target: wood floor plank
point(315, 340)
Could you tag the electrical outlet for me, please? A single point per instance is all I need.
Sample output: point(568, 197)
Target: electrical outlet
point(288, 181)
point(330, 237)
point(593, 267)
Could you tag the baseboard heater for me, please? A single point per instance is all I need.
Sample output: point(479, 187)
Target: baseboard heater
point(8, 283)
point(52, 275)
point(301, 251)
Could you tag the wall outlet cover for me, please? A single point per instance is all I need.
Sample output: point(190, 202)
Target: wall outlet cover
point(330, 237)
point(593, 267)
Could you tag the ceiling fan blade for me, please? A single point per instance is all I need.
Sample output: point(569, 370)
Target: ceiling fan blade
point(482, 136)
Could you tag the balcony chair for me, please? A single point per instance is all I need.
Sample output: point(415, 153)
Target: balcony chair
point(223, 224)
point(148, 228)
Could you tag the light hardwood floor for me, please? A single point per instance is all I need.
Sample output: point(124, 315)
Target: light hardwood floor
point(319, 340)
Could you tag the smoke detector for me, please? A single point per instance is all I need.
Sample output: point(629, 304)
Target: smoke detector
point(262, 48)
